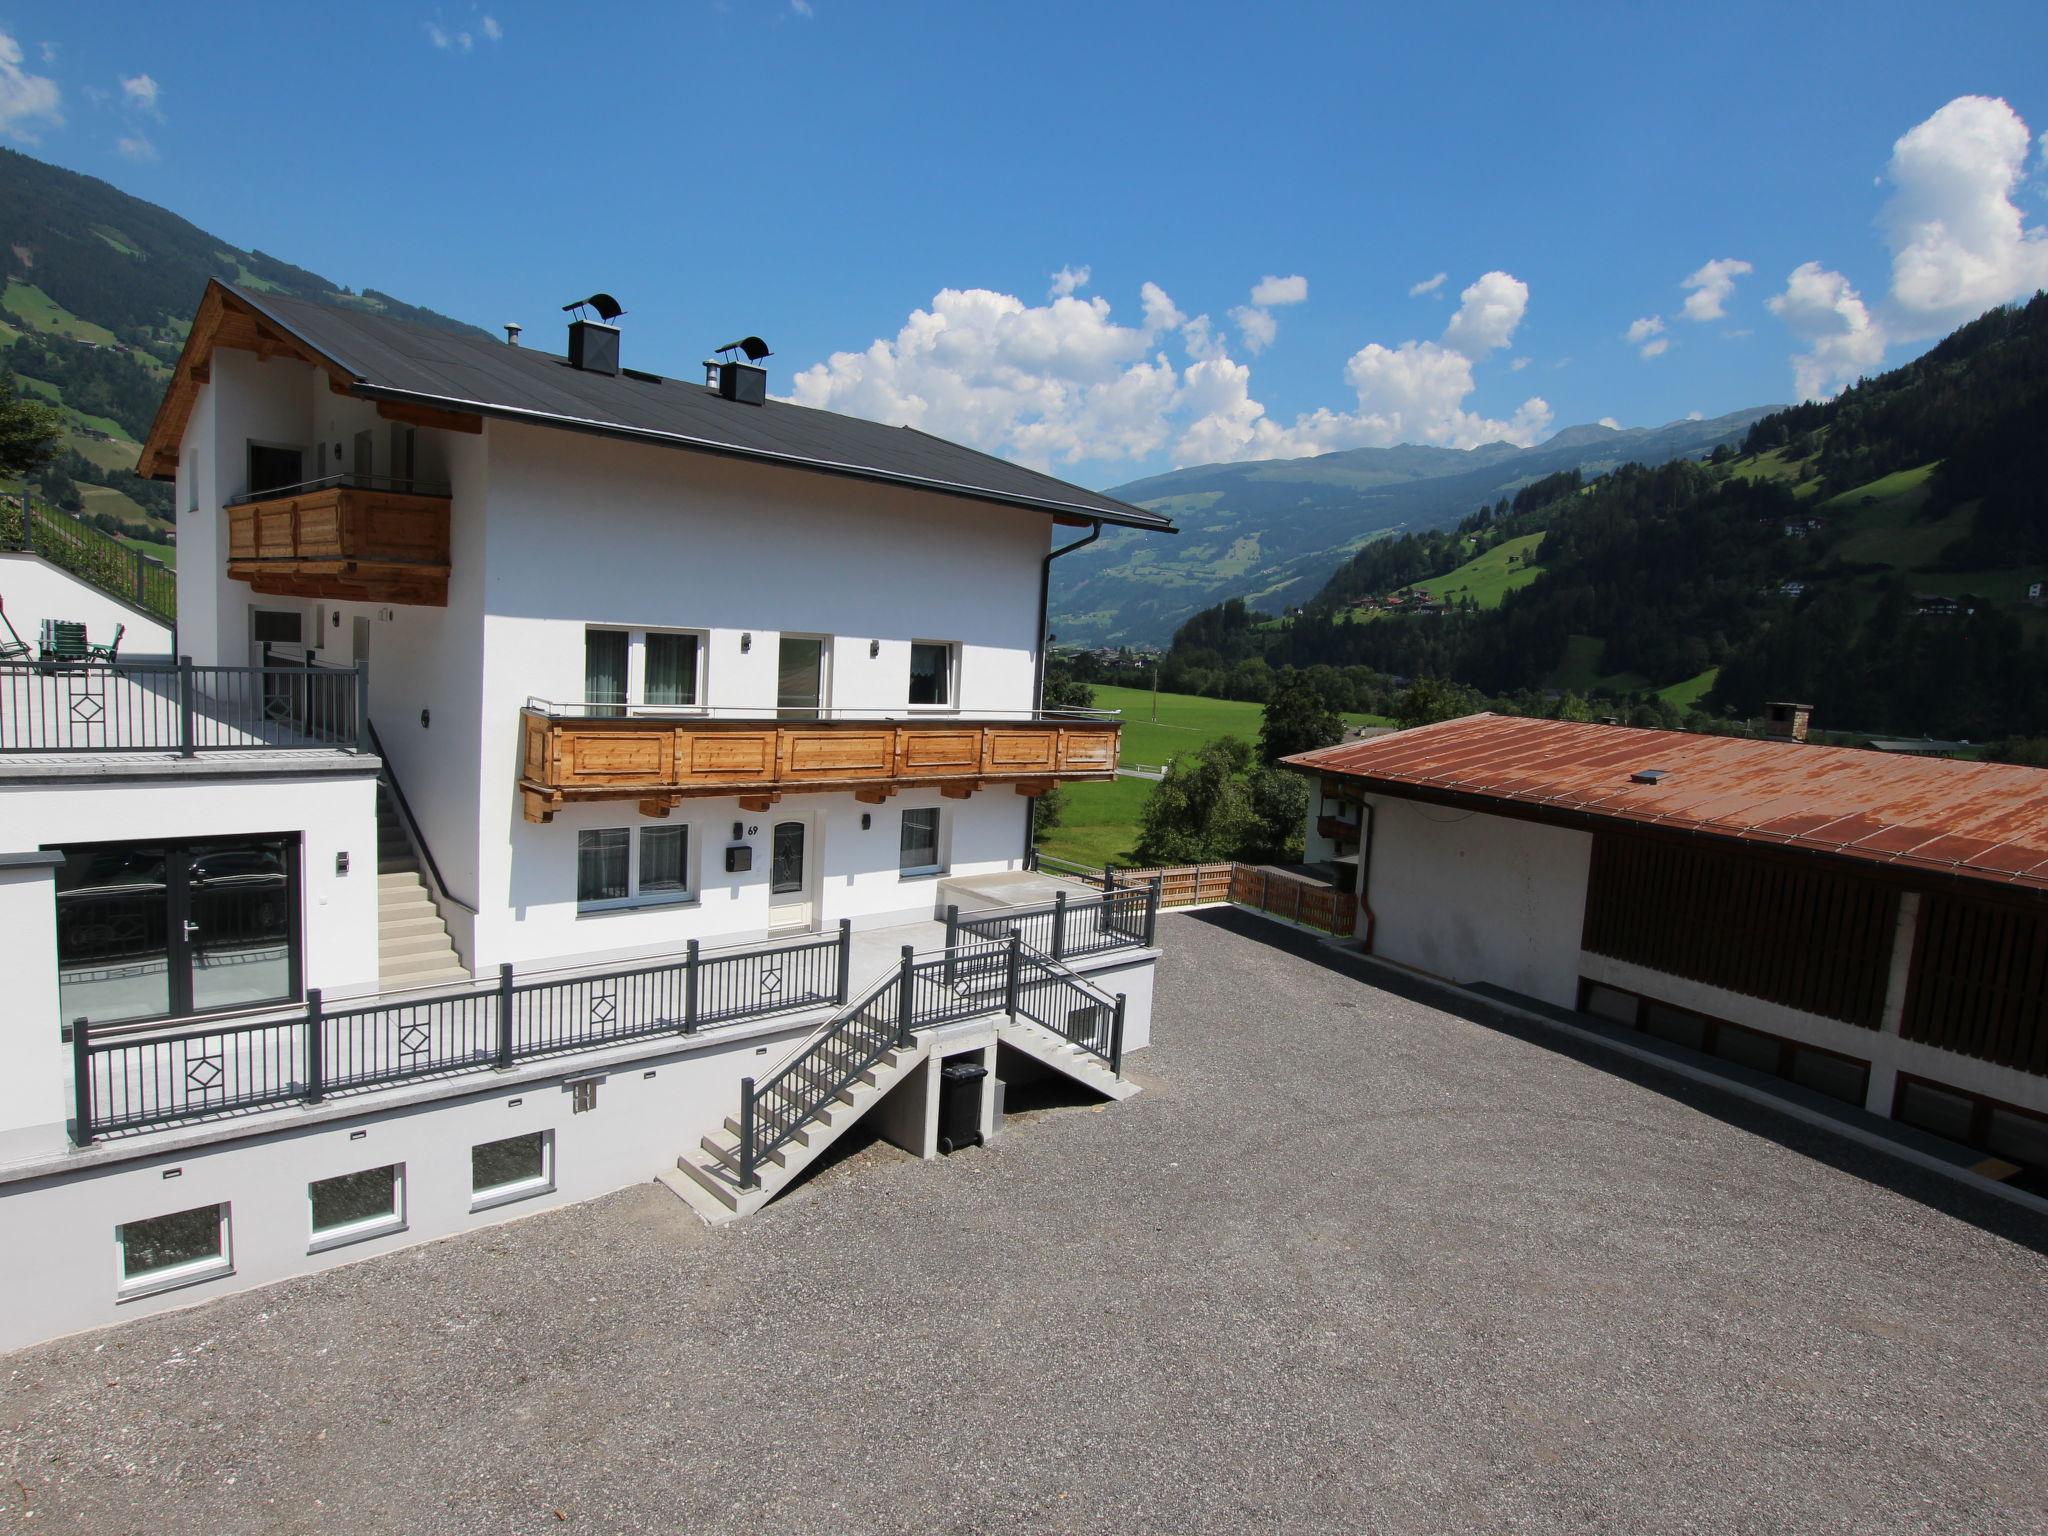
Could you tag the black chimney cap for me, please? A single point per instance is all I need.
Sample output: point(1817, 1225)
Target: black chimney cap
point(753, 346)
point(608, 308)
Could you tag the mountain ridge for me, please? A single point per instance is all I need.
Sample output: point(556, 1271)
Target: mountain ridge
point(1272, 530)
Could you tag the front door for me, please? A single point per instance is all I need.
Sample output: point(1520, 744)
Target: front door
point(789, 876)
point(161, 929)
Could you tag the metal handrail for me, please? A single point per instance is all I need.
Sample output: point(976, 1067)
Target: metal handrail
point(389, 776)
point(405, 485)
point(907, 714)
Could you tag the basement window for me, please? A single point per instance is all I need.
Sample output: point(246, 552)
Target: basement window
point(161, 1253)
point(351, 1207)
point(514, 1168)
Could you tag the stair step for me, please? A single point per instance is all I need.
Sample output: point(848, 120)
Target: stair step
point(409, 920)
point(390, 946)
point(723, 1186)
point(802, 1135)
point(398, 880)
point(414, 961)
point(730, 1156)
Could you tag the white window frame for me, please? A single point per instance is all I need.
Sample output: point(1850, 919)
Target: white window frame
point(519, 1189)
point(825, 648)
point(952, 704)
point(319, 1240)
point(924, 871)
point(635, 897)
point(636, 668)
point(193, 1272)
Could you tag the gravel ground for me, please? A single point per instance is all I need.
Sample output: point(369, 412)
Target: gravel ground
point(1350, 1262)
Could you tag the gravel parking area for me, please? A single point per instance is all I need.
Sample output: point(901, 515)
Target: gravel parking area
point(1350, 1262)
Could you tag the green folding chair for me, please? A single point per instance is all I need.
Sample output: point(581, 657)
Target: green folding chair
point(107, 653)
point(13, 648)
point(64, 640)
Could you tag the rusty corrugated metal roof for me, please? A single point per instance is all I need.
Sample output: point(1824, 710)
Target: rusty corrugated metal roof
point(1981, 821)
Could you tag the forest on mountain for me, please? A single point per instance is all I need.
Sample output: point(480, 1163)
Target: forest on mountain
point(1871, 555)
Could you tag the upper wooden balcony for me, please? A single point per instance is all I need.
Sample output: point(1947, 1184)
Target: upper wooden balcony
point(347, 536)
point(662, 757)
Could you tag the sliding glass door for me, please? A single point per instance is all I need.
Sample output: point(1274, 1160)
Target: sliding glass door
point(800, 678)
point(161, 929)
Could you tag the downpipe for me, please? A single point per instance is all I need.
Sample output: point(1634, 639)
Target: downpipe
point(1038, 666)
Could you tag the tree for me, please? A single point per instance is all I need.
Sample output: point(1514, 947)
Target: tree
point(1067, 693)
point(28, 432)
point(1202, 810)
point(1279, 804)
point(1298, 719)
point(1430, 699)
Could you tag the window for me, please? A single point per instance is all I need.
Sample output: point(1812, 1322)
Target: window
point(671, 663)
point(511, 1169)
point(272, 467)
point(919, 849)
point(931, 673)
point(601, 865)
point(614, 869)
point(799, 677)
point(166, 1251)
point(166, 929)
point(353, 1206)
point(638, 668)
point(604, 670)
point(663, 861)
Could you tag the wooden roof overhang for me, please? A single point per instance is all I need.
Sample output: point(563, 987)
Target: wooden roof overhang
point(225, 319)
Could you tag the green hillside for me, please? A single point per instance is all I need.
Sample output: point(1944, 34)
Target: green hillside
point(97, 290)
point(1872, 554)
point(1271, 530)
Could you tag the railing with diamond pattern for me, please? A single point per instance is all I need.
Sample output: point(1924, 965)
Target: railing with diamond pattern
point(135, 1081)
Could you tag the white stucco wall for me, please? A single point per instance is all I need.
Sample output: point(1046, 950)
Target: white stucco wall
point(1472, 897)
point(34, 590)
point(35, 1064)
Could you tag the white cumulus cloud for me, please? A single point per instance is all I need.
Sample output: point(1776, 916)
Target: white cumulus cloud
point(1057, 382)
point(492, 30)
point(1843, 339)
point(1068, 279)
point(1161, 314)
point(1647, 336)
point(1959, 242)
point(1270, 292)
point(1427, 285)
point(142, 93)
point(1707, 289)
point(1488, 313)
point(28, 103)
point(1256, 326)
point(136, 147)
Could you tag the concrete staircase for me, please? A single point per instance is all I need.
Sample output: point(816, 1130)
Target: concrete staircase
point(1062, 1055)
point(708, 1178)
point(413, 947)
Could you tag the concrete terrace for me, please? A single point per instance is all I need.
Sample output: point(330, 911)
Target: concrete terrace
point(1350, 1262)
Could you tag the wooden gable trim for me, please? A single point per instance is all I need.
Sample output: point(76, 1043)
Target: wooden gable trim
point(223, 320)
point(429, 416)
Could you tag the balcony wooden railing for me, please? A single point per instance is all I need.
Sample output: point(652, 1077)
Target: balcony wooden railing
point(574, 752)
point(345, 537)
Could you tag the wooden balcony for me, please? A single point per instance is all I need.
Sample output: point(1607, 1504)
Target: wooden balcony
point(343, 539)
point(1338, 830)
point(661, 760)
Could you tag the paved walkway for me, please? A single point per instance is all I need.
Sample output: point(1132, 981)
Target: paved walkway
point(1350, 1262)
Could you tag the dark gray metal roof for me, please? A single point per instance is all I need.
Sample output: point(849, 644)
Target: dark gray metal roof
point(393, 360)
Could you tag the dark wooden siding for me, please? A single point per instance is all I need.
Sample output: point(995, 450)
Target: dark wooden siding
point(1980, 981)
point(1808, 938)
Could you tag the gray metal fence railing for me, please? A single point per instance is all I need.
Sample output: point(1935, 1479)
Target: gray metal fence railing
point(62, 706)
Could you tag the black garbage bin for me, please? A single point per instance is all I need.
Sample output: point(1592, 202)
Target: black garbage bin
point(960, 1104)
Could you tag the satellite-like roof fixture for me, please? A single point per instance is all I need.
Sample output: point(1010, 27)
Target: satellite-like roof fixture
point(753, 346)
point(608, 308)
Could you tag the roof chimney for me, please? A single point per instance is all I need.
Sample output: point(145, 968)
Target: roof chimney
point(1787, 722)
point(736, 380)
point(594, 344)
point(512, 330)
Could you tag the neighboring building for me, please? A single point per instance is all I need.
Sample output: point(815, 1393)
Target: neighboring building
point(1871, 927)
point(544, 716)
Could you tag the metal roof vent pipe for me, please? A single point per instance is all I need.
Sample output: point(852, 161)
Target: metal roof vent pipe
point(735, 380)
point(512, 330)
point(594, 344)
point(1787, 722)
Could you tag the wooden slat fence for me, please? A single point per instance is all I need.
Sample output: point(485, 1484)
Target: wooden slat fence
point(1307, 902)
point(1980, 981)
point(1812, 939)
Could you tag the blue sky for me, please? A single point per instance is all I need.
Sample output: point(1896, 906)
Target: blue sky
point(822, 172)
